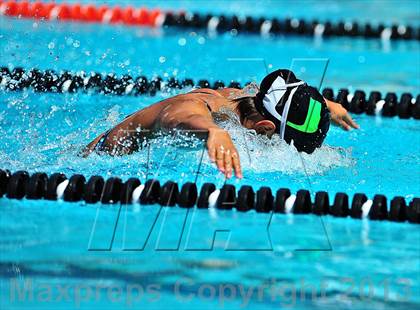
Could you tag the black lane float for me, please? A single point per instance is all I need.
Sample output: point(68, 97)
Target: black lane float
point(290, 26)
point(210, 22)
point(359, 102)
point(96, 189)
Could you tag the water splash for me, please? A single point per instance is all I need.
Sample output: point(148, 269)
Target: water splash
point(262, 154)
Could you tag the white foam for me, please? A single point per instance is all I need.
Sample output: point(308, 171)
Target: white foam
point(4, 81)
point(262, 154)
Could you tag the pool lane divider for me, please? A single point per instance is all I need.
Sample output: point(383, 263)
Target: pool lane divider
point(359, 102)
point(113, 190)
point(90, 13)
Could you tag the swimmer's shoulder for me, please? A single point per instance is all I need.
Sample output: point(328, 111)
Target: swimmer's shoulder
point(227, 93)
point(230, 93)
point(205, 91)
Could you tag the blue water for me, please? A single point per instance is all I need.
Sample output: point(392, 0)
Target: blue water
point(65, 245)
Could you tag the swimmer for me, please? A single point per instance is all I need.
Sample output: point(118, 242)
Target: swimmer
point(282, 105)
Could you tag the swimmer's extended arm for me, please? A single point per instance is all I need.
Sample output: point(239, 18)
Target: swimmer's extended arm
point(196, 116)
point(340, 116)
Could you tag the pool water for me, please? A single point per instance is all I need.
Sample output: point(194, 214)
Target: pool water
point(168, 257)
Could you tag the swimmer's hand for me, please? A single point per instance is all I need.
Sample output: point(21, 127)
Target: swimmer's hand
point(194, 115)
point(340, 116)
point(223, 152)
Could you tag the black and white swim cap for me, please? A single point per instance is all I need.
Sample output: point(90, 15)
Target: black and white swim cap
point(298, 110)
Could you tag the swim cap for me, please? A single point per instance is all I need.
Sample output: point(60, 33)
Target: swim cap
point(298, 110)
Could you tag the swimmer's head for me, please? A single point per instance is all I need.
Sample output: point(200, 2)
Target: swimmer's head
point(298, 110)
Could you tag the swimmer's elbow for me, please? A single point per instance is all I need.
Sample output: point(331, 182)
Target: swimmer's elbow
point(170, 123)
point(175, 122)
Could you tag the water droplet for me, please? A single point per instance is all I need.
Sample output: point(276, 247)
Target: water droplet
point(68, 121)
point(51, 45)
point(69, 41)
point(201, 40)
point(182, 41)
point(162, 59)
point(76, 44)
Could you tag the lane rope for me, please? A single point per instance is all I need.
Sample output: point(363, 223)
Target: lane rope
point(373, 103)
point(96, 189)
point(90, 13)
